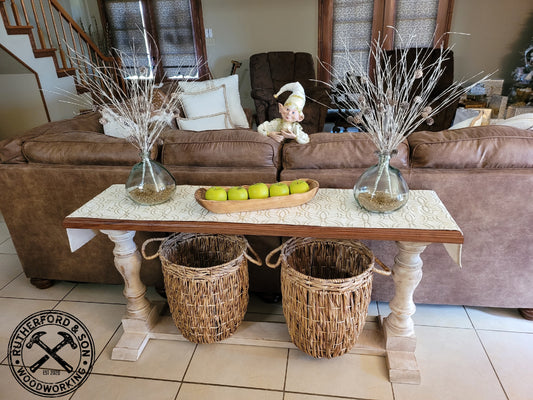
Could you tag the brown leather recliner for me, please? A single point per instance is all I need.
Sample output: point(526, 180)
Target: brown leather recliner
point(270, 71)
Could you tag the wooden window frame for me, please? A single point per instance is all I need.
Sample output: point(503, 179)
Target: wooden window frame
point(198, 32)
point(383, 17)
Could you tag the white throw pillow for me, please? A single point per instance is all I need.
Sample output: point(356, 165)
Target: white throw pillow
point(521, 121)
point(212, 122)
point(204, 103)
point(114, 127)
point(111, 124)
point(236, 112)
point(469, 122)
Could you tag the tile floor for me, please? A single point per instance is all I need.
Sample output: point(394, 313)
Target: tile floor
point(463, 352)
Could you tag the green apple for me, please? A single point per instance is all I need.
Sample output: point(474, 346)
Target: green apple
point(299, 186)
point(258, 191)
point(237, 193)
point(216, 193)
point(279, 189)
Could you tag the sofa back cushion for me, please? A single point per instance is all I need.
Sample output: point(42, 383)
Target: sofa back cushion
point(222, 148)
point(487, 146)
point(337, 151)
point(80, 148)
point(11, 150)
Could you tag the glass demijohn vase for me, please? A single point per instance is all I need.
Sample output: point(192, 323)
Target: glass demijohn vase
point(149, 182)
point(381, 188)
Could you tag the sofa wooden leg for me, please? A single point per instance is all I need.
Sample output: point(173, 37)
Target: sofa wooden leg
point(41, 283)
point(527, 313)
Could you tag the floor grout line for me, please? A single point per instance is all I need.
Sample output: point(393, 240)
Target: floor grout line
point(105, 345)
point(488, 356)
point(186, 370)
point(235, 386)
point(136, 377)
point(286, 372)
point(27, 298)
point(9, 283)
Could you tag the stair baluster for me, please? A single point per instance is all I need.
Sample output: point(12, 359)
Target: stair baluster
point(38, 25)
point(25, 13)
point(15, 11)
point(58, 35)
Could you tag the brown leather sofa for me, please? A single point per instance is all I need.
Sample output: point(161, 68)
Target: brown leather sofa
point(483, 175)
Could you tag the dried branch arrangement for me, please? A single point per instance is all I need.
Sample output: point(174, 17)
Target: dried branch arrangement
point(127, 92)
point(392, 98)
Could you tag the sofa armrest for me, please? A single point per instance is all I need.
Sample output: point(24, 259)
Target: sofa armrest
point(249, 116)
point(266, 95)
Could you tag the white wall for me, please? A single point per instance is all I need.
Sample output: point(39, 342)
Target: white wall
point(499, 31)
point(21, 106)
point(242, 28)
point(54, 88)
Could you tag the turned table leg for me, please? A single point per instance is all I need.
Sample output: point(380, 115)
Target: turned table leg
point(398, 326)
point(141, 315)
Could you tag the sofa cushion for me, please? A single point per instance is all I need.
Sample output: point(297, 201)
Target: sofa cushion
point(80, 148)
point(221, 148)
point(476, 147)
point(11, 149)
point(337, 151)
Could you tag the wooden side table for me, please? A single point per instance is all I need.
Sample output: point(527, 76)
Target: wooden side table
point(333, 213)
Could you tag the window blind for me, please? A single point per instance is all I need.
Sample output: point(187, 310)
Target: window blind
point(176, 41)
point(352, 31)
point(126, 29)
point(168, 22)
point(416, 22)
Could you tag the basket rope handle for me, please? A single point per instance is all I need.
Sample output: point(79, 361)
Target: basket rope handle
point(269, 256)
point(384, 269)
point(254, 257)
point(143, 249)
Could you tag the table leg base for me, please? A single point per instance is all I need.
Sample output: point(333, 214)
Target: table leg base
point(403, 367)
point(397, 343)
point(130, 346)
point(136, 334)
point(401, 360)
point(249, 333)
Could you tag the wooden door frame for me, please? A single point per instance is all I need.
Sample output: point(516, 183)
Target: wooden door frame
point(384, 16)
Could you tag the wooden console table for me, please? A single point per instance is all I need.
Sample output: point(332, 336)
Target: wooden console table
point(332, 213)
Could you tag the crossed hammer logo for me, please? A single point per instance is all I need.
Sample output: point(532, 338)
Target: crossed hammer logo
point(36, 339)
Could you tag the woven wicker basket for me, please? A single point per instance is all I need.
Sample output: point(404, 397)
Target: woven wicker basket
point(206, 282)
point(326, 287)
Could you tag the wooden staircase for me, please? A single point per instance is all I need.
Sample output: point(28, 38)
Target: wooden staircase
point(54, 33)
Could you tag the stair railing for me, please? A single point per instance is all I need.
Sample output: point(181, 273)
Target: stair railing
point(58, 36)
